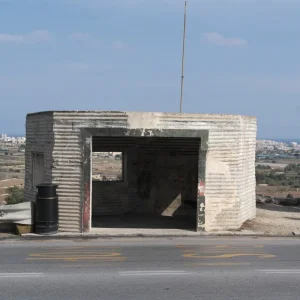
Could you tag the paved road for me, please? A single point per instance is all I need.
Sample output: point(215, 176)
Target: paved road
point(178, 269)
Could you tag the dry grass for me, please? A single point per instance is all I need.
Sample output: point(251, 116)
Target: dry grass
point(108, 167)
point(280, 192)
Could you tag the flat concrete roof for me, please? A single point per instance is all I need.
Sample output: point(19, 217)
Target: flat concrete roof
point(136, 112)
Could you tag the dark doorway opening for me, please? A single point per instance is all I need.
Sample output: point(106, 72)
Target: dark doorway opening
point(156, 186)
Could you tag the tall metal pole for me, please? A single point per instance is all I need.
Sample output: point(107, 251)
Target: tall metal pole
point(183, 52)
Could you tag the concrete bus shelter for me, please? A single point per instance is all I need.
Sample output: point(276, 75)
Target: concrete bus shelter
point(189, 171)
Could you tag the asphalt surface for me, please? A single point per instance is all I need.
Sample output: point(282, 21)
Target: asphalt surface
point(133, 268)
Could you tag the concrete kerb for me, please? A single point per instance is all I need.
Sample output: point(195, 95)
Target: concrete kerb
point(64, 235)
point(72, 236)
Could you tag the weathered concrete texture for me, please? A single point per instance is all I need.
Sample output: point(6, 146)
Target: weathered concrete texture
point(227, 142)
point(201, 188)
point(40, 139)
point(16, 213)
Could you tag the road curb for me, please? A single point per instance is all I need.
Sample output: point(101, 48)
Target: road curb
point(33, 237)
point(10, 238)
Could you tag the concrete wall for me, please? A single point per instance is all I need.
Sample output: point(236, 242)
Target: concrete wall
point(40, 139)
point(230, 175)
point(109, 198)
point(227, 149)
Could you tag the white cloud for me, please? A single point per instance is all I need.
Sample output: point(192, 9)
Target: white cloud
point(220, 40)
point(77, 66)
point(286, 85)
point(84, 37)
point(89, 39)
point(118, 45)
point(80, 36)
point(37, 36)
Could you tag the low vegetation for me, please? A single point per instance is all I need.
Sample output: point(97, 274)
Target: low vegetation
point(263, 167)
point(290, 176)
point(15, 195)
point(292, 168)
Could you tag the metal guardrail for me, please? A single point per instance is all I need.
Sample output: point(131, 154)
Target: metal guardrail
point(16, 213)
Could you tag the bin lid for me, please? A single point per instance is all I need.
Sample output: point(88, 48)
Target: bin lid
point(46, 184)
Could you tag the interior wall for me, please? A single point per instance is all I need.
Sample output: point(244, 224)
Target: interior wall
point(161, 182)
point(109, 198)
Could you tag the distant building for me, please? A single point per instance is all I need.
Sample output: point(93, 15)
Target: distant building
point(3, 136)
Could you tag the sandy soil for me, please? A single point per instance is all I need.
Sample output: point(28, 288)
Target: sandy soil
point(275, 219)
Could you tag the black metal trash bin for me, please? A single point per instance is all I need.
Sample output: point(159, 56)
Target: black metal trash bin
point(46, 209)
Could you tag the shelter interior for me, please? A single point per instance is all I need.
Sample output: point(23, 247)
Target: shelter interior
point(144, 182)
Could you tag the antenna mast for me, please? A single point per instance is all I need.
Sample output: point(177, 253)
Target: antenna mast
point(183, 52)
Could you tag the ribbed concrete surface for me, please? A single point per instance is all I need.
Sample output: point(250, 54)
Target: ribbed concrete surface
point(230, 166)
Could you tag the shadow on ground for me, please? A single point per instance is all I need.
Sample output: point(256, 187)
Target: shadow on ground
point(295, 219)
point(275, 207)
point(145, 222)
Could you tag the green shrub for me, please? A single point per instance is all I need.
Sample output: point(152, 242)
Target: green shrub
point(292, 167)
point(263, 167)
point(15, 195)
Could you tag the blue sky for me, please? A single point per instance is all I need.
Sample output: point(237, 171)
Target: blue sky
point(242, 57)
